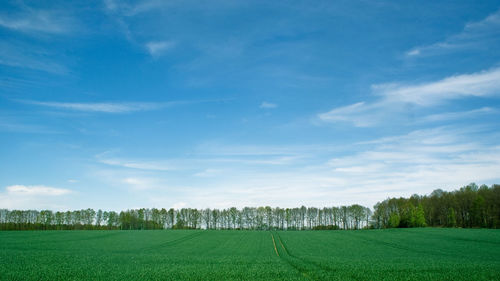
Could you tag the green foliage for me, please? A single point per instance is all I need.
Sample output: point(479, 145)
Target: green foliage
point(470, 206)
point(452, 218)
point(394, 220)
point(419, 217)
point(392, 254)
point(261, 218)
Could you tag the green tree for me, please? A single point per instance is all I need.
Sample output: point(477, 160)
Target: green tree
point(419, 217)
point(451, 219)
point(394, 220)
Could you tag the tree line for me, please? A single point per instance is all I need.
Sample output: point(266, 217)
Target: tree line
point(469, 206)
point(254, 218)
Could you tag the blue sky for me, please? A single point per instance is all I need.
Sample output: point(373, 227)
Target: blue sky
point(118, 105)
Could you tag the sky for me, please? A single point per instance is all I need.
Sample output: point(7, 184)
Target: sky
point(129, 104)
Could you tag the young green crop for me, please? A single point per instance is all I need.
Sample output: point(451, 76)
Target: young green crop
point(398, 254)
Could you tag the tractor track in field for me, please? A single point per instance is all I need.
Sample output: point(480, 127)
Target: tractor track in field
point(298, 263)
point(174, 242)
point(274, 244)
point(315, 264)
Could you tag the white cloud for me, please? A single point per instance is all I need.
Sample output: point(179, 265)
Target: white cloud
point(422, 160)
point(364, 178)
point(33, 197)
point(400, 165)
point(479, 84)
point(268, 105)
point(134, 9)
point(158, 48)
point(36, 190)
point(199, 162)
point(394, 99)
point(138, 164)
point(111, 107)
point(417, 162)
point(209, 157)
point(359, 114)
point(473, 35)
point(32, 21)
point(99, 107)
point(458, 115)
point(414, 52)
point(224, 149)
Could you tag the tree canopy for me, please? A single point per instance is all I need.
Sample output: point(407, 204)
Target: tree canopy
point(469, 206)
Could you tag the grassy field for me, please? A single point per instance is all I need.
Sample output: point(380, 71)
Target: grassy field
point(397, 254)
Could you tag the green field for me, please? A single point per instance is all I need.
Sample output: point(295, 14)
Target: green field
point(396, 254)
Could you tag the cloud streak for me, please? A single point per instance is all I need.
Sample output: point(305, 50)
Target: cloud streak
point(393, 99)
point(458, 115)
point(34, 197)
point(473, 35)
point(108, 107)
point(34, 21)
point(138, 164)
point(358, 113)
point(364, 172)
point(479, 84)
point(422, 160)
point(36, 190)
point(100, 107)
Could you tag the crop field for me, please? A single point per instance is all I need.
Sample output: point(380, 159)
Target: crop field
point(396, 254)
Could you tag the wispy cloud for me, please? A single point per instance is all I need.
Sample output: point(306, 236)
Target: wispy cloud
point(268, 105)
point(422, 159)
point(418, 162)
point(458, 115)
point(134, 9)
point(358, 114)
point(158, 48)
point(285, 160)
point(473, 35)
point(99, 107)
point(34, 197)
point(108, 107)
point(36, 190)
point(197, 162)
point(137, 164)
point(400, 165)
point(479, 84)
point(396, 97)
point(26, 56)
point(32, 21)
